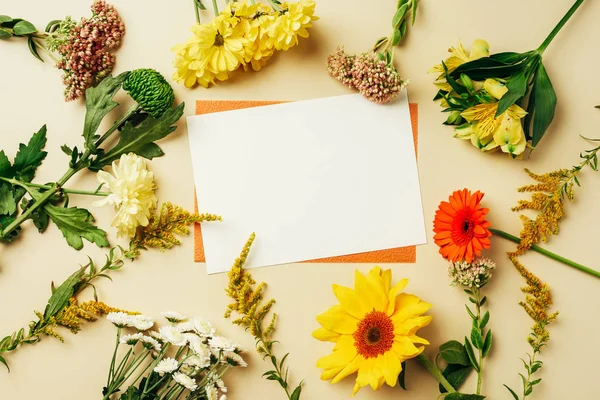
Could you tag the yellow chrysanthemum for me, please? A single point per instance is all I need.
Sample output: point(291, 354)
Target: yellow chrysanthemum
point(132, 193)
point(458, 56)
point(222, 43)
point(293, 21)
point(374, 328)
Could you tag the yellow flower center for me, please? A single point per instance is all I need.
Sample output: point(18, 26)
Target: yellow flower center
point(374, 335)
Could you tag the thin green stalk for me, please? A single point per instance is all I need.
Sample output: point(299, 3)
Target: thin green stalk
point(547, 253)
point(215, 7)
point(135, 108)
point(197, 11)
point(45, 50)
point(559, 26)
point(114, 358)
point(435, 372)
point(27, 185)
point(477, 295)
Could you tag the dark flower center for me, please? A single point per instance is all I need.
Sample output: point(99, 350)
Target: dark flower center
point(374, 335)
point(219, 40)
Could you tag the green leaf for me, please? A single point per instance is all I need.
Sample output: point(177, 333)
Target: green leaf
point(296, 392)
point(487, 344)
point(476, 337)
point(515, 396)
point(40, 219)
point(132, 393)
point(470, 312)
point(5, 166)
point(462, 396)
point(396, 36)
point(471, 354)
point(30, 157)
point(74, 223)
point(414, 11)
point(545, 104)
point(510, 57)
point(402, 28)
point(98, 103)
point(486, 67)
point(60, 298)
point(8, 205)
point(484, 320)
point(5, 34)
point(397, 20)
point(33, 48)
point(52, 25)
point(456, 375)
point(453, 352)
point(3, 361)
point(140, 139)
point(24, 28)
point(5, 18)
point(402, 376)
point(517, 88)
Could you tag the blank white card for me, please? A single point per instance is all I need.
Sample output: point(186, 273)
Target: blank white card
point(313, 179)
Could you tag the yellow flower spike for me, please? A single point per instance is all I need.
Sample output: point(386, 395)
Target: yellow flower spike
point(374, 332)
point(495, 88)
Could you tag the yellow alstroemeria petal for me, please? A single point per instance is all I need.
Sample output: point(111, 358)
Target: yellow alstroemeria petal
point(495, 88)
point(350, 301)
point(516, 112)
point(479, 49)
point(337, 320)
point(464, 131)
point(325, 335)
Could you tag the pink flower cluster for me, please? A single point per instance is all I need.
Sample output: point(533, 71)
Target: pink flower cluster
point(371, 76)
point(474, 274)
point(86, 58)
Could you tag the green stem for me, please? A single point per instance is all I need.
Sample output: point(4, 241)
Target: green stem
point(435, 372)
point(197, 11)
point(215, 7)
point(135, 108)
point(27, 185)
point(558, 27)
point(547, 253)
point(477, 295)
point(45, 50)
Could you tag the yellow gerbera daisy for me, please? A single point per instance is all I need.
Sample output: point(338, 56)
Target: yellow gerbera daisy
point(374, 328)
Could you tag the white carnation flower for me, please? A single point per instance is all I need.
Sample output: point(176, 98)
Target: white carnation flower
point(211, 393)
point(131, 340)
point(132, 193)
point(173, 316)
point(150, 343)
point(172, 335)
point(166, 366)
point(120, 319)
point(203, 328)
point(185, 381)
point(142, 322)
point(221, 343)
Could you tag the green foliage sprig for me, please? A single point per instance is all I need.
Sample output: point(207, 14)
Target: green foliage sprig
point(62, 308)
point(248, 304)
point(149, 120)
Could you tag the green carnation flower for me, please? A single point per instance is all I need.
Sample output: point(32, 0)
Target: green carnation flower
point(150, 90)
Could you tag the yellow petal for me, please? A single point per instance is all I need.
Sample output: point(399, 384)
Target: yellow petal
point(343, 354)
point(370, 288)
point(405, 349)
point(337, 320)
point(350, 301)
point(325, 335)
point(398, 287)
point(391, 368)
point(408, 306)
point(495, 88)
point(480, 48)
point(353, 366)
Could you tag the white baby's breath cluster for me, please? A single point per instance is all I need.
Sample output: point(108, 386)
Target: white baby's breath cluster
point(187, 353)
point(472, 275)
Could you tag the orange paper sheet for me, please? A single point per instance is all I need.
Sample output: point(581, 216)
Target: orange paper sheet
point(397, 255)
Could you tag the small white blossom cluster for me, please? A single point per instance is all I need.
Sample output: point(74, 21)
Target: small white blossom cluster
point(474, 274)
point(198, 356)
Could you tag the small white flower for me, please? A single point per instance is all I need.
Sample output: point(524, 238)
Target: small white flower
point(221, 343)
point(120, 319)
point(185, 381)
point(203, 328)
point(223, 397)
point(172, 316)
point(231, 358)
point(132, 193)
point(156, 336)
point(150, 343)
point(213, 378)
point(211, 392)
point(131, 340)
point(197, 362)
point(172, 335)
point(166, 366)
point(196, 344)
point(142, 322)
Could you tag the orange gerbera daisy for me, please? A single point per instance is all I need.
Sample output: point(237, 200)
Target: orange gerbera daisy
point(460, 226)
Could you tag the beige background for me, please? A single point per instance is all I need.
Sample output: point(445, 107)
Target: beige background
point(31, 95)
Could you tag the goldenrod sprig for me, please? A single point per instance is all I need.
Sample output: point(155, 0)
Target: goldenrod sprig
point(63, 308)
point(249, 305)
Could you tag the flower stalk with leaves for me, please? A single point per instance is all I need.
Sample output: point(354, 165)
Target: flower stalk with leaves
point(81, 50)
point(252, 310)
point(373, 73)
point(149, 120)
point(501, 101)
point(63, 307)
